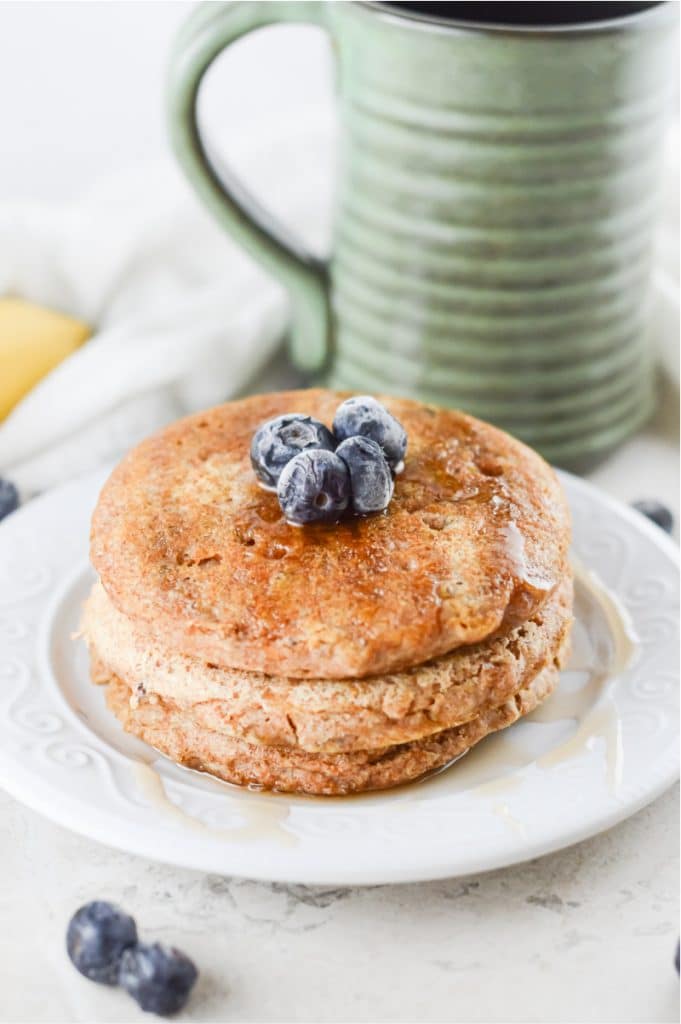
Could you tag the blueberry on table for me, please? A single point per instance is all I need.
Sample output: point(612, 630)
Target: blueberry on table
point(159, 978)
point(96, 938)
point(278, 440)
point(364, 415)
point(9, 498)
point(371, 482)
point(656, 512)
point(314, 487)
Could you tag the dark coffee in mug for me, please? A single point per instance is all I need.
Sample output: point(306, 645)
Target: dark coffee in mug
point(530, 14)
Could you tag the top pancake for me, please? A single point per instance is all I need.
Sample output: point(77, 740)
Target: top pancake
point(191, 548)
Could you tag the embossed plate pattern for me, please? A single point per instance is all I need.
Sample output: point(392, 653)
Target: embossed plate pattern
point(546, 783)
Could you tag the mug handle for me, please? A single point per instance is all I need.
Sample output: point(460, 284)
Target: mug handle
point(201, 39)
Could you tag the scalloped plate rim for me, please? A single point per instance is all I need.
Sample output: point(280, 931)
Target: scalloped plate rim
point(67, 809)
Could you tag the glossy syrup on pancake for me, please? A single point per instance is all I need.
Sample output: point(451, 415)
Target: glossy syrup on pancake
point(190, 547)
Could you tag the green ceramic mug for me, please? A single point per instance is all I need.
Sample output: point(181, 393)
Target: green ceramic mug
point(495, 212)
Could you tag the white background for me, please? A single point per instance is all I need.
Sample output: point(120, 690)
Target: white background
point(81, 89)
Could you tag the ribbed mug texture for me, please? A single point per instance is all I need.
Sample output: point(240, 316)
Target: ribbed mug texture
point(495, 220)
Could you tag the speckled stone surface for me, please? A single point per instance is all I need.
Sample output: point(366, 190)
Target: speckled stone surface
point(587, 934)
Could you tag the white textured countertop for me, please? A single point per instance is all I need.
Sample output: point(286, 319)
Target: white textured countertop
point(584, 935)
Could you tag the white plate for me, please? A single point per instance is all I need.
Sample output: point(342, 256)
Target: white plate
point(598, 751)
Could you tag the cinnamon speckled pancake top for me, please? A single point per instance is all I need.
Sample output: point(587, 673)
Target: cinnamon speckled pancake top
point(190, 547)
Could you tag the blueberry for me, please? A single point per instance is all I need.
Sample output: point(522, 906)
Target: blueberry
point(656, 512)
point(159, 978)
point(96, 938)
point(677, 956)
point(276, 442)
point(9, 498)
point(314, 487)
point(371, 482)
point(364, 415)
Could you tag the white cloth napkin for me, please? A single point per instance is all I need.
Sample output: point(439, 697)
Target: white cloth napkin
point(183, 318)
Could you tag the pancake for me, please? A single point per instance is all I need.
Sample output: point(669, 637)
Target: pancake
point(330, 716)
point(200, 558)
point(173, 731)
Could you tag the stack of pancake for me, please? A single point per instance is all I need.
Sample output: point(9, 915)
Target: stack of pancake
point(330, 658)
